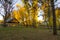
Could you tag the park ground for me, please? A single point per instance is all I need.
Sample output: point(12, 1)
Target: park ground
point(23, 33)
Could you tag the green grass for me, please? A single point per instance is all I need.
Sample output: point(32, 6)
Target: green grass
point(23, 33)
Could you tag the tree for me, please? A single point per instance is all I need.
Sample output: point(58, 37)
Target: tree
point(54, 18)
point(6, 4)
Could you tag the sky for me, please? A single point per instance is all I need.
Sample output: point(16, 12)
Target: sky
point(17, 2)
point(57, 4)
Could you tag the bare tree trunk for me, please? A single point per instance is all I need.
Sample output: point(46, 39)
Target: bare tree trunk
point(5, 7)
point(54, 18)
point(7, 10)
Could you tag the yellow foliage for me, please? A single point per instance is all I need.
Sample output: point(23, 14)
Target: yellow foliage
point(57, 11)
point(16, 15)
point(57, 16)
point(1, 21)
point(26, 13)
point(18, 5)
point(22, 9)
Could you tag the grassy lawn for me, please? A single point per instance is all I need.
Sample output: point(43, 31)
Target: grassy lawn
point(22, 33)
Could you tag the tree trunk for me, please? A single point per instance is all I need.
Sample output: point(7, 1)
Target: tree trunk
point(5, 7)
point(54, 18)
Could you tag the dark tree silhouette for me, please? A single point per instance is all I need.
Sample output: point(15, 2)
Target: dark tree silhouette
point(54, 18)
point(6, 5)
